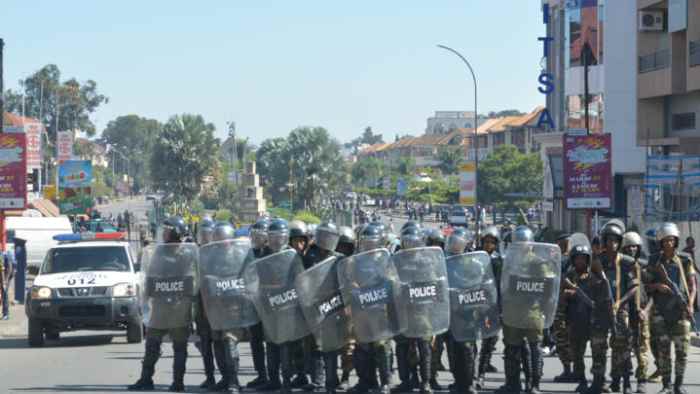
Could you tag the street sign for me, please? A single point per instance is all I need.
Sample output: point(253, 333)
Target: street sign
point(64, 145)
point(401, 187)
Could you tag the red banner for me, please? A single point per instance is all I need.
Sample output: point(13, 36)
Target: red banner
point(13, 171)
point(33, 132)
point(587, 171)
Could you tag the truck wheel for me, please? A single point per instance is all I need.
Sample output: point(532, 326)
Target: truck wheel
point(35, 333)
point(134, 332)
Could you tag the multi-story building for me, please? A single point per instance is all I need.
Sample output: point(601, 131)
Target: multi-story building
point(445, 122)
point(598, 37)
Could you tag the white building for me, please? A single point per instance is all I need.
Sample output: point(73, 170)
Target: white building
point(444, 122)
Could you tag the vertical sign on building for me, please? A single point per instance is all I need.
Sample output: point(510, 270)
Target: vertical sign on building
point(587, 171)
point(13, 171)
point(33, 132)
point(64, 145)
point(467, 184)
point(75, 187)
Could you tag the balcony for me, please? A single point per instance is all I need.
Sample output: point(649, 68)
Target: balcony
point(655, 61)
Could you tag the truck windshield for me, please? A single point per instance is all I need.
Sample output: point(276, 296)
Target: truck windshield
point(104, 258)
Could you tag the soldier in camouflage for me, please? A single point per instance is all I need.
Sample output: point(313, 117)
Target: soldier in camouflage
point(559, 329)
point(619, 269)
point(670, 279)
point(639, 321)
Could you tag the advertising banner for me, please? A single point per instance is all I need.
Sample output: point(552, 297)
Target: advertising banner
point(33, 132)
point(587, 171)
point(13, 171)
point(64, 144)
point(75, 187)
point(672, 187)
point(467, 184)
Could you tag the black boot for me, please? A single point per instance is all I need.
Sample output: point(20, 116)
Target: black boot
point(273, 368)
point(567, 376)
point(597, 385)
point(582, 387)
point(626, 385)
point(257, 347)
point(223, 361)
point(425, 355)
point(535, 367)
point(469, 371)
point(318, 373)
point(615, 384)
point(512, 366)
point(205, 348)
point(384, 359)
point(148, 365)
point(402, 350)
point(666, 383)
point(179, 367)
point(678, 386)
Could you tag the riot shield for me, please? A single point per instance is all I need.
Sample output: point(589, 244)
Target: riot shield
point(319, 293)
point(424, 302)
point(370, 286)
point(226, 300)
point(474, 312)
point(530, 285)
point(169, 284)
point(270, 280)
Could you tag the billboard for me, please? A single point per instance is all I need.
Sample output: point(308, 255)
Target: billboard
point(13, 171)
point(672, 187)
point(587, 171)
point(467, 184)
point(75, 187)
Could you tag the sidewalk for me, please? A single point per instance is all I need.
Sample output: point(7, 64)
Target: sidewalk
point(17, 325)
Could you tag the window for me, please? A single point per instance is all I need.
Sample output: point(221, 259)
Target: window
point(685, 121)
point(103, 258)
point(499, 139)
point(584, 27)
point(694, 51)
point(576, 112)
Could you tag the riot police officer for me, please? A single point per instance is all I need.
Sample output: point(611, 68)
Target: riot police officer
point(258, 237)
point(299, 238)
point(434, 237)
point(169, 303)
point(489, 242)
point(278, 356)
point(369, 358)
point(225, 342)
point(322, 366)
point(205, 232)
point(346, 247)
point(412, 237)
point(670, 280)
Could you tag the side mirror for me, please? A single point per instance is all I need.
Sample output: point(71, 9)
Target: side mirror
point(137, 267)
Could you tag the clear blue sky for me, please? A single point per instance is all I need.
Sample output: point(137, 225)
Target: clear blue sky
point(274, 65)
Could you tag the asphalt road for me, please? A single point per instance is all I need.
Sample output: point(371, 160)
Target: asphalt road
point(95, 362)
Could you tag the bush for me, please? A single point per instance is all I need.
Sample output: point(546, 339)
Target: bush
point(223, 215)
point(307, 217)
point(280, 213)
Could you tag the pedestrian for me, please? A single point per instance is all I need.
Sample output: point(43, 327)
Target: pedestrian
point(6, 274)
point(670, 278)
point(690, 247)
point(21, 272)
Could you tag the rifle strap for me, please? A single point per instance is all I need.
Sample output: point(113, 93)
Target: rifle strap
point(684, 283)
point(638, 292)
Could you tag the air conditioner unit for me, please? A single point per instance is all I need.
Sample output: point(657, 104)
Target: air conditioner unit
point(651, 21)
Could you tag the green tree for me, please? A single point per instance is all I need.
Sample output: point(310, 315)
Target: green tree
point(506, 171)
point(367, 170)
point(67, 104)
point(450, 159)
point(134, 137)
point(367, 137)
point(507, 112)
point(182, 156)
point(406, 166)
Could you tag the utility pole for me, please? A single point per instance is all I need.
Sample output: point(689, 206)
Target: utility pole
point(2, 130)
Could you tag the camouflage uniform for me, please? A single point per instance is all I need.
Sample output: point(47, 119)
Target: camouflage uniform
point(670, 321)
point(586, 324)
point(561, 333)
point(620, 273)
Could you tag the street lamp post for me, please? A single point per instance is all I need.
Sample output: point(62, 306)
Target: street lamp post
point(476, 136)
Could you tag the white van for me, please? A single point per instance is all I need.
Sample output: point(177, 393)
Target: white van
point(38, 232)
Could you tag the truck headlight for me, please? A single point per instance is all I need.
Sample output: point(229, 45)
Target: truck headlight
point(123, 290)
point(41, 293)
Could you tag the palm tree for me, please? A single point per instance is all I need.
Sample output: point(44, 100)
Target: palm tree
point(450, 160)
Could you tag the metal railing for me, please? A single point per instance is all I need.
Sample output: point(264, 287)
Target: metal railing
point(655, 61)
point(694, 53)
